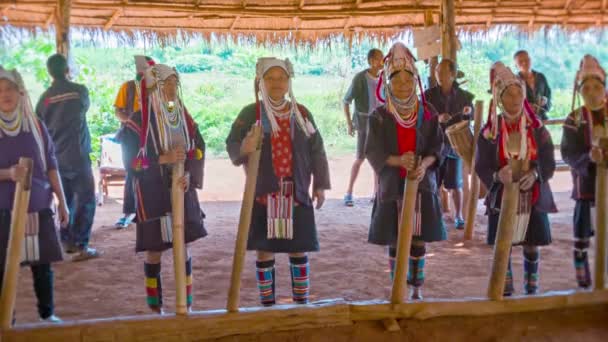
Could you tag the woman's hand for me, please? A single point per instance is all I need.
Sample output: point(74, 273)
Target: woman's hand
point(596, 154)
point(184, 182)
point(528, 180)
point(17, 173)
point(64, 214)
point(251, 141)
point(319, 197)
point(172, 157)
point(505, 175)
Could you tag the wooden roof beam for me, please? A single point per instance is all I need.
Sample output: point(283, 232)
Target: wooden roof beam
point(112, 19)
point(302, 3)
point(604, 4)
point(4, 10)
point(568, 4)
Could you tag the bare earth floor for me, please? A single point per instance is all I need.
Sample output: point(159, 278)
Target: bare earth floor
point(346, 267)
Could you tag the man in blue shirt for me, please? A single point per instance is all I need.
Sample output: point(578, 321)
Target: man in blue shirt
point(63, 108)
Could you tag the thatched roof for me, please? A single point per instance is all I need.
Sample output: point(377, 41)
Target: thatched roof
point(302, 19)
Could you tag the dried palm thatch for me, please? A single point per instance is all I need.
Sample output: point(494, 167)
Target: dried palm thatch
point(301, 20)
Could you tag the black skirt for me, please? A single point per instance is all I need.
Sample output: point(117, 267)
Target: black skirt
point(149, 234)
point(384, 227)
point(538, 233)
point(304, 232)
point(50, 249)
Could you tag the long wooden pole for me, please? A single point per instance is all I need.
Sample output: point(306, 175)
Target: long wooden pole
point(404, 240)
point(448, 30)
point(240, 247)
point(15, 240)
point(62, 27)
point(179, 245)
point(474, 193)
point(600, 221)
point(504, 235)
point(429, 21)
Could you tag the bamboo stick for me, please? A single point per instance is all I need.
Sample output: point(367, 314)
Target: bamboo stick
point(15, 240)
point(600, 220)
point(179, 245)
point(406, 229)
point(504, 234)
point(240, 247)
point(474, 194)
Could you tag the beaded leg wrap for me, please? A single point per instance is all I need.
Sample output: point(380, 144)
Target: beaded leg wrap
point(154, 289)
point(415, 273)
point(265, 277)
point(581, 263)
point(392, 260)
point(531, 274)
point(509, 289)
point(300, 280)
point(189, 283)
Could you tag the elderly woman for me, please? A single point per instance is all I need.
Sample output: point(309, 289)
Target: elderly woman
point(283, 219)
point(403, 133)
point(161, 135)
point(23, 135)
point(516, 133)
point(582, 126)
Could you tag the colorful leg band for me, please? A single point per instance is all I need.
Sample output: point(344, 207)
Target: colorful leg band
point(531, 274)
point(266, 285)
point(154, 289)
point(509, 289)
point(189, 282)
point(415, 273)
point(300, 280)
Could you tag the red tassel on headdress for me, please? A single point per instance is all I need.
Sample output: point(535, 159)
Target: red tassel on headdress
point(379, 87)
point(141, 162)
point(531, 114)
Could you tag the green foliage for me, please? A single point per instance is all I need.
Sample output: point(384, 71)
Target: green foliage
point(217, 77)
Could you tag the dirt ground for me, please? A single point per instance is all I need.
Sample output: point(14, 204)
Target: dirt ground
point(346, 267)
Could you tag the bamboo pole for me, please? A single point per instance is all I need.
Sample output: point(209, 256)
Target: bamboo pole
point(448, 30)
point(504, 234)
point(474, 194)
point(433, 61)
point(240, 247)
point(406, 228)
point(600, 221)
point(62, 27)
point(15, 240)
point(179, 245)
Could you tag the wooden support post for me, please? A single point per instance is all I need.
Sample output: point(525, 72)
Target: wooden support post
point(406, 229)
point(599, 281)
point(179, 246)
point(240, 247)
point(428, 21)
point(448, 30)
point(15, 241)
point(504, 235)
point(474, 193)
point(62, 27)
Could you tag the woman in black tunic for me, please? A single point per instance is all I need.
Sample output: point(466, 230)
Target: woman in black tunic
point(401, 131)
point(518, 123)
point(159, 136)
point(578, 134)
point(283, 219)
